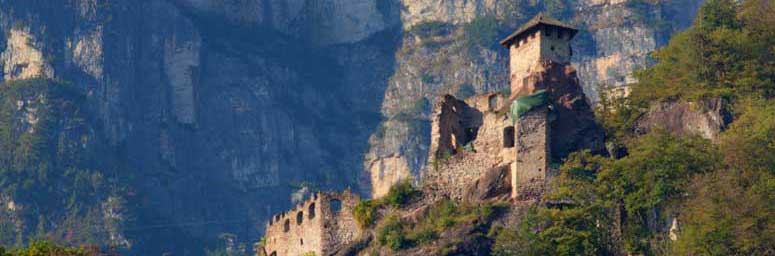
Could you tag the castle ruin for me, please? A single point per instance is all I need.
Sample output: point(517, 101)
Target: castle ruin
point(518, 138)
point(472, 137)
point(320, 225)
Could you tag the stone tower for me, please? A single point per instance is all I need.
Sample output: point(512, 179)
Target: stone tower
point(540, 40)
point(536, 48)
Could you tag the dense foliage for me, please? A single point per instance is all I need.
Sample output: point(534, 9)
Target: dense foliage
point(720, 192)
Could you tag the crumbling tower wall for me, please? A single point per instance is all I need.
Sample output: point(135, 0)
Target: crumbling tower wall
point(480, 144)
point(321, 224)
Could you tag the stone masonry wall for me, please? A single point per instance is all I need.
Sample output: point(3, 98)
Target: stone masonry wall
point(523, 55)
point(546, 44)
point(530, 168)
point(320, 225)
point(555, 45)
point(449, 176)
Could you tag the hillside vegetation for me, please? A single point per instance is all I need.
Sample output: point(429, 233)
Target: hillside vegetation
point(721, 194)
point(669, 194)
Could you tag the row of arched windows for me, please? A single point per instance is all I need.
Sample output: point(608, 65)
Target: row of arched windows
point(336, 206)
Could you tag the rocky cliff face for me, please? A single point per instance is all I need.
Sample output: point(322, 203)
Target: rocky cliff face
point(213, 105)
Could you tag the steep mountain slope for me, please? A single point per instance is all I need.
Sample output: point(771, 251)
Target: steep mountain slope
point(216, 112)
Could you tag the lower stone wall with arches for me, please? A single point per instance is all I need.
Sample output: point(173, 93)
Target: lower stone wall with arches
point(320, 224)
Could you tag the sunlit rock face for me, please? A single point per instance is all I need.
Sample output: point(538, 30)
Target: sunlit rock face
point(22, 59)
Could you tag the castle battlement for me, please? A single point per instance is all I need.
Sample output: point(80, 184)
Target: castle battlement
point(321, 224)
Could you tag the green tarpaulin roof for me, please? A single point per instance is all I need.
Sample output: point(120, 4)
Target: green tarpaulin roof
point(523, 104)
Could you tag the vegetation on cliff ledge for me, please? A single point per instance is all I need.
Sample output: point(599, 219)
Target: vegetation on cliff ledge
point(720, 193)
point(365, 212)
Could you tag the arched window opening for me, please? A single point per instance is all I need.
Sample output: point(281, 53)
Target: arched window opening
point(508, 137)
point(287, 226)
point(336, 205)
point(299, 218)
point(301, 240)
point(311, 214)
point(273, 254)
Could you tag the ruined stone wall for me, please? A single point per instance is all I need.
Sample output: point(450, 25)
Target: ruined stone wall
point(528, 175)
point(449, 176)
point(339, 225)
point(453, 124)
point(319, 225)
point(286, 236)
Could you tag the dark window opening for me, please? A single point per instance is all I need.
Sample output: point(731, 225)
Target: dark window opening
point(471, 134)
point(493, 102)
point(299, 218)
point(301, 240)
point(311, 214)
point(336, 205)
point(508, 137)
point(273, 254)
point(552, 47)
point(287, 226)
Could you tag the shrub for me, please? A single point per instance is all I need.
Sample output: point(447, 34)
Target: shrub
point(365, 212)
point(400, 194)
point(390, 233)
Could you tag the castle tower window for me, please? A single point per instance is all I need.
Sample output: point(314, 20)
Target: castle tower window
point(299, 218)
point(311, 214)
point(508, 137)
point(493, 102)
point(301, 240)
point(336, 205)
point(287, 225)
point(273, 254)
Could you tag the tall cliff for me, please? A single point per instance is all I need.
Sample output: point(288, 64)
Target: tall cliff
point(217, 114)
